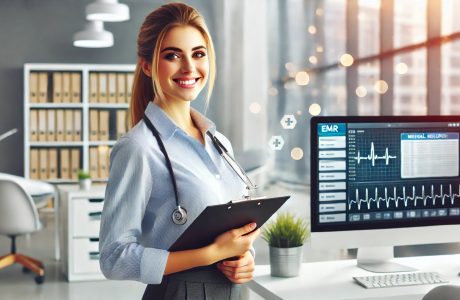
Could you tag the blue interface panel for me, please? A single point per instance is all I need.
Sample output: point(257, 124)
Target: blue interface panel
point(384, 172)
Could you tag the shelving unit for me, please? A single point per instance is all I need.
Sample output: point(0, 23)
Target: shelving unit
point(80, 86)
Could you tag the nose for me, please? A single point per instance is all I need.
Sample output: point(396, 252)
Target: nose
point(188, 66)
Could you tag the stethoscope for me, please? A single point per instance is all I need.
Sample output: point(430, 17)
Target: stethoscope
point(179, 215)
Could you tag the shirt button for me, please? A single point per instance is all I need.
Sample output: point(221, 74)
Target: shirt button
point(218, 176)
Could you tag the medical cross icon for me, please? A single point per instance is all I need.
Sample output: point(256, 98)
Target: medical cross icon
point(276, 142)
point(288, 122)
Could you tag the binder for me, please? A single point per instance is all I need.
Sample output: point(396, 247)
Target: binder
point(77, 125)
point(33, 126)
point(52, 163)
point(42, 125)
point(102, 87)
point(121, 88)
point(68, 133)
point(33, 87)
point(64, 164)
point(103, 166)
point(66, 87)
point(93, 88)
point(231, 215)
point(103, 125)
point(129, 85)
point(43, 156)
point(57, 87)
point(74, 163)
point(60, 125)
point(75, 87)
point(34, 166)
point(121, 123)
point(42, 87)
point(51, 126)
point(93, 125)
point(93, 162)
point(112, 87)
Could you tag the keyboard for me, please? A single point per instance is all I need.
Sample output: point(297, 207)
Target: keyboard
point(399, 279)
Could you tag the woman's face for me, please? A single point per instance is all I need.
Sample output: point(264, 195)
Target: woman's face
point(183, 64)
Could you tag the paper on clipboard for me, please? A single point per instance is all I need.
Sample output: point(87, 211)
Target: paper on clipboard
point(217, 219)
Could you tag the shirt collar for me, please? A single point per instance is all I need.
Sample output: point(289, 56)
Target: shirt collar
point(166, 127)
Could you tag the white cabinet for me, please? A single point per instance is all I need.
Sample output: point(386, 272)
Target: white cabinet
point(81, 218)
point(73, 115)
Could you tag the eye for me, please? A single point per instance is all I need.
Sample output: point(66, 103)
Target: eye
point(171, 56)
point(199, 54)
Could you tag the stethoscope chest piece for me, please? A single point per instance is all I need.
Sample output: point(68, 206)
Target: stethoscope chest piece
point(179, 216)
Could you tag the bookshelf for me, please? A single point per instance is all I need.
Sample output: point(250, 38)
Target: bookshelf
point(73, 115)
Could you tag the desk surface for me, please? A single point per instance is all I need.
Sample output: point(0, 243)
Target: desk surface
point(332, 280)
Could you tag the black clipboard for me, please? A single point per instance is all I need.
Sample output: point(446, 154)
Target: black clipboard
point(217, 219)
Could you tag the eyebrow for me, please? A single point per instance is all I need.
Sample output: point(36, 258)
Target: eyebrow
point(180, 50)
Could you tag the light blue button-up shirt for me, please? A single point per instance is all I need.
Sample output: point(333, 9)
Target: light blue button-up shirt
point(136, 227)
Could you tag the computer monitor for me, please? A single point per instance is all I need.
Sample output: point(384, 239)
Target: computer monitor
point(378, 182)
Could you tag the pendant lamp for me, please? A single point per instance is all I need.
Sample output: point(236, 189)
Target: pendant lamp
point(107, 11)
point(94, 36)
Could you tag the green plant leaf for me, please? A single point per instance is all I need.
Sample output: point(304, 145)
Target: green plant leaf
point(286, 231)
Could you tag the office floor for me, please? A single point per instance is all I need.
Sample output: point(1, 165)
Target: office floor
point(18, 286)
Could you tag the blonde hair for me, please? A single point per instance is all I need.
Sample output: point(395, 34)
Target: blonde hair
point(151, 35)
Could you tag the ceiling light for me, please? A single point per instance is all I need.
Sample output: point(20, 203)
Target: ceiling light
point(107, 11)
point(94, 36)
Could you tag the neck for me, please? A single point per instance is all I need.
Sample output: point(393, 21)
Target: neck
point(179, 112)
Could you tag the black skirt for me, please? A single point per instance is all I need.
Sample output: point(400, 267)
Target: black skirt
point(197, 284)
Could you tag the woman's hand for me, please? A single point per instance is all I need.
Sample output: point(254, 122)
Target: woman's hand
point(235, 242)
point(238, 271)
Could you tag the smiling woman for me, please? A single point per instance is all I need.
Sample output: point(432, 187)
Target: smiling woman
point(165, 171)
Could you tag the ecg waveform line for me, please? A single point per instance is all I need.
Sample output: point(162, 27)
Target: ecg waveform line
point(405, 199)
point(373, 157)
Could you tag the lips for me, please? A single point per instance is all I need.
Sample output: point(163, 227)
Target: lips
point(186, 82)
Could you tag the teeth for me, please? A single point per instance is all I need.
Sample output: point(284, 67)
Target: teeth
point(187, 82)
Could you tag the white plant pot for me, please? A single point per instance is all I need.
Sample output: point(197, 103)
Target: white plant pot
point(285, 262)
point(85, 184)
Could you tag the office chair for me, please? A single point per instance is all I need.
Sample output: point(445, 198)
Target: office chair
point(18, 216)
point(444, 292)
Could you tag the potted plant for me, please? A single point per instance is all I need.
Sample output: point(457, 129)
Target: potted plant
point(84, 179)
point(285, 237)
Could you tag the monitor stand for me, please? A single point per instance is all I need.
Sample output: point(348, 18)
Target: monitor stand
point(377, 259)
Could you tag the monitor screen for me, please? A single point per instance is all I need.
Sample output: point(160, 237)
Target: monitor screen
point(384, 172)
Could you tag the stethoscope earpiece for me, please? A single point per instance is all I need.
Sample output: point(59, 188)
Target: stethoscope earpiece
point(179, 216)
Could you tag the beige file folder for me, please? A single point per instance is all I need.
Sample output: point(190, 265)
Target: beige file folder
point(77, 125)
point(64, 165)
point(103, 88)
point(51, 126)
point(43, 156)
point(68, 125)
point(42, 125)
point(75, 87)
point(52, 163)
point(129, 85)
point(57, 87)
point(93, 88)
point(93, 162)
point(33, 126)
point(33, 87)
point(121, 87)
point(42, 87)
point(112, 87)
point(104, 125)
point(93, 125)
point(121, 123)
point(60, 125)
point(34, 164)
point(74, 163)
point(66, 87)
point(103, 166)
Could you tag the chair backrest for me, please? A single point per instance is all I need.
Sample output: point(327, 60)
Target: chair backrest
point(444, 292)
point(18, 214)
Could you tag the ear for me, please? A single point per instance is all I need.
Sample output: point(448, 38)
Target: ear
point(146, 67)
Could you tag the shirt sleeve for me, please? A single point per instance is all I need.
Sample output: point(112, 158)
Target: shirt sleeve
point(128, 191)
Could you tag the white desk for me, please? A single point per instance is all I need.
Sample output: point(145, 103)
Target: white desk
point(332, 280)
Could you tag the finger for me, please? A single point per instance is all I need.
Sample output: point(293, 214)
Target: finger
point(245, 229)
point(245, 269)
point(253, 235)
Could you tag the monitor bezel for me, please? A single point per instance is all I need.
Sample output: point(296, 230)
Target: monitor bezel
point(314, 216)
